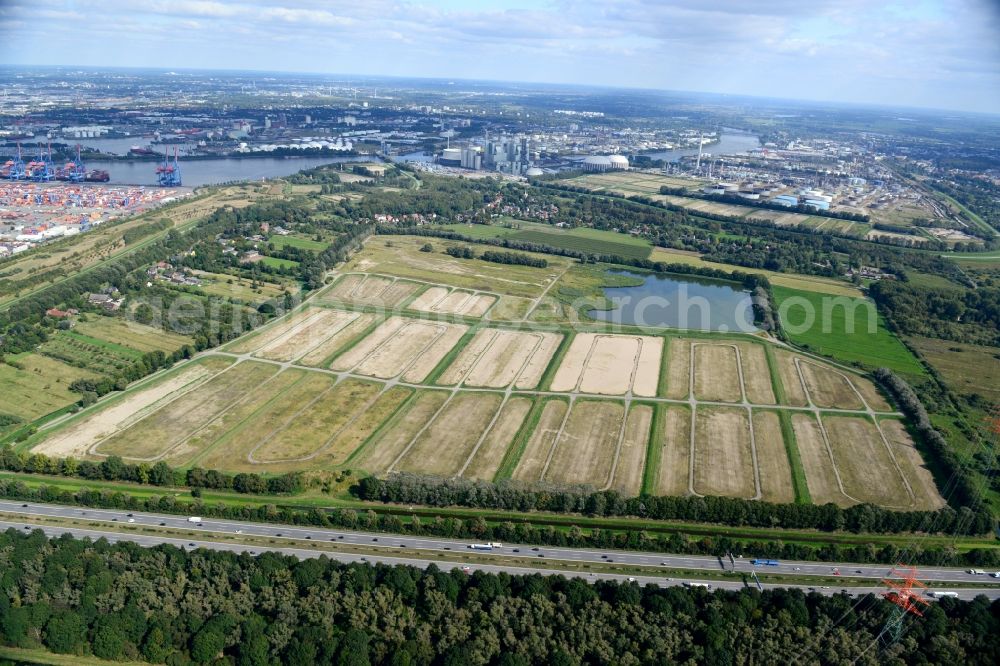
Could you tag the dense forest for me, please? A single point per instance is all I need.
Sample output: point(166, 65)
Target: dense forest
point(965, 315)
point(165, 605)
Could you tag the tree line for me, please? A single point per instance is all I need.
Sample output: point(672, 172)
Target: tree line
point(113, 468)
point(167, 605)
point(508, 495)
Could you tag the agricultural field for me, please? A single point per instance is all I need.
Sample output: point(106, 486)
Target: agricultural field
point(581, 239)
point(300, 242)
point(374, 290)
point(328, 387)
point(441, 300)
point(401, 256)
point(843, 328)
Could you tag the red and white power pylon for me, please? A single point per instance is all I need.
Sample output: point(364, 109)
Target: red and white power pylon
point(905, 593)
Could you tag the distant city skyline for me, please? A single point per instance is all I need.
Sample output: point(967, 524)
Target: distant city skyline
point(939, 54)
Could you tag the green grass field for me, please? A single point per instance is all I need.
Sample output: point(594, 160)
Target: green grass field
point(967, 368)
point(275, 262)
point(842, 328)
point(131, 334)
point(39, 386)
point(583, 239)
point(297, 241)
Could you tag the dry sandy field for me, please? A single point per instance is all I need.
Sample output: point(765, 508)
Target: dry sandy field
point(723, 463)
point(159, 431)
point(321, 355)
point(866, 468)
point(716, 372)
point(828, 387)
point(486, 460)
point(447, 442)
point(370, 290)
point(398, 433)
point(921, 481)
point(772, 459)
point(539, 446)
point(756, 373)
point(675, 452)
point(788, 374)
point(587, 445)
point(632, 455)
point(271, 332)
point(496, 358)
point(76, 438)
point(678, 369)
point(400, 347)
point(306, 336)
point(442, 300)
point(610, 365)
point(821, 476)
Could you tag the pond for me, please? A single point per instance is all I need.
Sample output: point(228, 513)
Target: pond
point(679, 302)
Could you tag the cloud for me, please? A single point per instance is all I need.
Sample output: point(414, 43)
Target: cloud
point(919, 52)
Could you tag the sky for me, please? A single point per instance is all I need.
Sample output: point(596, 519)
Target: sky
point(926, 53)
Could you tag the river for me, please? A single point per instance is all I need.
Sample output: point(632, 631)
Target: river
point(210, 172)
point(731, 142)
point(679, 302)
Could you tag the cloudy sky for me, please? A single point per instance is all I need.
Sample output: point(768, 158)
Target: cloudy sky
point(931, 53)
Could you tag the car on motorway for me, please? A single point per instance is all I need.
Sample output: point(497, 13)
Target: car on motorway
point(24, 506)
point(131, 520)
point(631, 579)
point(995, 574)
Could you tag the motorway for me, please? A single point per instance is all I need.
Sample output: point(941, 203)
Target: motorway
point(426, 548)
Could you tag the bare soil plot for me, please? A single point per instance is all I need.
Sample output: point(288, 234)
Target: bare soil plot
point(871, 394)
point(174, 422)
point(270, 333)
point(432, 355)
point(632, 456)
point(444, 447)
point(828, 387)
point(468, 357)
point(772, 459)
point(586, 449)
point(795, 395)
point(380, 453)
point(865, 467)
point(440, 300)
point(820, 475)
point(208, 434)
point(511, 355)
point(343, 289)
point(606, 364)
point(675, 457)
point(756, 374)
point(275, 415)
point(647, 374)
point(307, 335)
point(428, 298)
point(317, 425)
point(716, 374)
point(397, 292)
point(723, 463)
point(529, 468)
point(678, 369)
point(910, 461)
point(401, 345)
point(319, 354)
point(371, 290)
point(487, 460)
point(75, 440)
point(361, 428)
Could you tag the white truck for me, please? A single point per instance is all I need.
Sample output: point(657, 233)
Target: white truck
point(940, 595)
point(194, 519)
point(486, 546)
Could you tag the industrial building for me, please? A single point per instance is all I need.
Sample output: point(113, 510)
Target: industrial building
point(599, 163)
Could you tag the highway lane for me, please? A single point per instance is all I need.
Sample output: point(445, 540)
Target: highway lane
point(933, 575)
point(189, 544)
